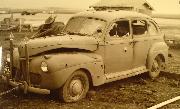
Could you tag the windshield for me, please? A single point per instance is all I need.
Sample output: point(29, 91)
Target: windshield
point(84, 26)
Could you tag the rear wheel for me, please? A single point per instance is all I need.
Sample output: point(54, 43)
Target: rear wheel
point(76, 87)
point(156, 67)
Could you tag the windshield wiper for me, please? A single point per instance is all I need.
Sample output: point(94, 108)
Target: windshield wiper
point(73, 33)
point(81, 34)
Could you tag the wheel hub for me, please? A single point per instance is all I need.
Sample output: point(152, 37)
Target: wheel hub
point(76, 87)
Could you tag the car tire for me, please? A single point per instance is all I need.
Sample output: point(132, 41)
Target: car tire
point(75, 88)
point(156, 67)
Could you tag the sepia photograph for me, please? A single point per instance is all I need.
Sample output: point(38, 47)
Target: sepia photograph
point(90, 54)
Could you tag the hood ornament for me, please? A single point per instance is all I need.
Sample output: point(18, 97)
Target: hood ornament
point(26, 39)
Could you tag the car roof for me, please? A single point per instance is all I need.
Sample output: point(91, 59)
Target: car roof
point(111, 14)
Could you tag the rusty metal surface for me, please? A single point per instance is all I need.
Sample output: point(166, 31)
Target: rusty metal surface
point(44, 44)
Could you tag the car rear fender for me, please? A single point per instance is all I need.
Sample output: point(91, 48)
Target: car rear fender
point(159, 48)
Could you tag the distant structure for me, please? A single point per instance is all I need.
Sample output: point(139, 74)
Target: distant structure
point(28, 13)
point(3, 12)
point(57, 10)
point(141, 6)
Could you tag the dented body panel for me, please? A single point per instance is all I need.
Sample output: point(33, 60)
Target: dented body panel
point(40, 45)
point(62, 65)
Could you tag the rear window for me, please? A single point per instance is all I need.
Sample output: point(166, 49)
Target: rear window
point(139, 27)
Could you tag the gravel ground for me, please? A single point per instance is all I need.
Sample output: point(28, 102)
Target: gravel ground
point(137, 92)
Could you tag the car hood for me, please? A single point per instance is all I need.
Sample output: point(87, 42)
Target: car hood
point(39, 45)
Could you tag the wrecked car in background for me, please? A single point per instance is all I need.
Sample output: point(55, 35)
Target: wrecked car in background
point(96, 47)
point(172, 40)
point(28, 13)
point(10, 24)
point(14, 24)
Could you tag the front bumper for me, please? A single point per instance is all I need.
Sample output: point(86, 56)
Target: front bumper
point(24, 86)
point(24, 66)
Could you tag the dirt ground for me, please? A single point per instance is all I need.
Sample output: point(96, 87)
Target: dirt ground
point(137, 92)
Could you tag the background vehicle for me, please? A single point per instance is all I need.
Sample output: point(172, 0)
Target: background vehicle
point(28, 13)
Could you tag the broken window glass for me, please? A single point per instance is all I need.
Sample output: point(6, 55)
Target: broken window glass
point(120, 29)
point(84, 26)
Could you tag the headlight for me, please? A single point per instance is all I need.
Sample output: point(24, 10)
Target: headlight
point(44, 66)
point(8, 57)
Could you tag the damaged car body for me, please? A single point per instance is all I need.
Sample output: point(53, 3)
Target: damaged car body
point(96, 47)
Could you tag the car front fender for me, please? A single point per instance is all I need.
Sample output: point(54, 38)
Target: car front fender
point(61, 66)
point(55, 80)
point(59, 61)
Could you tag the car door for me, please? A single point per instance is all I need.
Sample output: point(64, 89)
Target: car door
point(141, 42)
point(118, 50)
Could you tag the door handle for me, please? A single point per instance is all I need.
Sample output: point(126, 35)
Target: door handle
point(125, 49)
point(133, 42)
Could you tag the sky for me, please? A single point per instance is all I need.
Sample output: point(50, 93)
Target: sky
point(166, 6)
point(160, 6)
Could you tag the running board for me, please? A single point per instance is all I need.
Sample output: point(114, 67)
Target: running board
point(124, 74)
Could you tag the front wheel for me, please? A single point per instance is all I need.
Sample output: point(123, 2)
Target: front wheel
point(76, 87)
point(156, 67)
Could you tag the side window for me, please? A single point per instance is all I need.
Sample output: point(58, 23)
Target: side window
point(152, 28)
point(119, 29)
point(139, 27)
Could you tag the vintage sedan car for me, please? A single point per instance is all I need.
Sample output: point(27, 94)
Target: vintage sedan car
point(96, 47)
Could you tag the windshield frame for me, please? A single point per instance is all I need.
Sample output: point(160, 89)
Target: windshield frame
point(74, 33)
